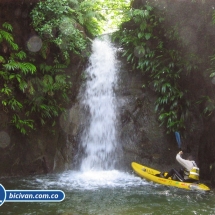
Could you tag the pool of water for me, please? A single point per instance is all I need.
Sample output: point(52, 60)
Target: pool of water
point(106, 193)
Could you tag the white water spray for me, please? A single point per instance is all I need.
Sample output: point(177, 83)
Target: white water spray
point(99, 138)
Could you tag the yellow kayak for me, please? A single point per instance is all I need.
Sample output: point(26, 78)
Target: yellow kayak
point(154, 175)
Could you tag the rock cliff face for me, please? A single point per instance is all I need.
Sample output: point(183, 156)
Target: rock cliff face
point(139, 133)
point(142, 138)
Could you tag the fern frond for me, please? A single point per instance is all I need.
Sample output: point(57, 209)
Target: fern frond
point(23, 85)
point(14, 46)
point(2, 60)
point(11, 65)
point(6, 90)
point(48, 80)
point(45, 68)
point(45, 111)
point(9, 38)
point(21, 55)
point(44, 49)
point(27, 67)
point(14, 104)
point(60, 66)
point(12, 76)
point(22, 125)
point(7, 26)
point(30, 87)
point(4, 75)
point(60, 79)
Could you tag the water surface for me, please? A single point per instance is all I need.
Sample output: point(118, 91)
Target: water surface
point(107, 192)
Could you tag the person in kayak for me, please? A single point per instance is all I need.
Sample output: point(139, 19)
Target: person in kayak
point(190, 172)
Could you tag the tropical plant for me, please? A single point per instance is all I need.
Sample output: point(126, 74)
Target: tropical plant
point(209, 105)
point(65, 22)
point(208, 101)
point(48, 92)
point(153, 49)
point(28, 94)
point(14, 72)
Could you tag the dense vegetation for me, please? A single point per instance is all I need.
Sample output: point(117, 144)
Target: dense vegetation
point(28, 90)
point(154, 44)
point(69, 23)
point(35, 88)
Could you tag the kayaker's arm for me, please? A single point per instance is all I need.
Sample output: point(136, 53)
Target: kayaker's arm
point(183, 162)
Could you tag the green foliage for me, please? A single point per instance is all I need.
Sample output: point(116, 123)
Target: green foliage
point(5, 35)
point(212, 66)
point(13, 71)
point(64, 23)
point(209, 105)
point(145, 39)
point(208, 101)
point(48, 92)
point(114, 12)
point(27, 91)
point(67, 22)
point(22, 125)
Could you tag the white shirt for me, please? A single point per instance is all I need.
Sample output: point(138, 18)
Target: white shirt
point(187, 164)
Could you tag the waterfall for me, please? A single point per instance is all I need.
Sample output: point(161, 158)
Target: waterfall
point(99, 139)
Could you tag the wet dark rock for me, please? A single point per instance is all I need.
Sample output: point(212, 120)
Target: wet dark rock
point(4, 139)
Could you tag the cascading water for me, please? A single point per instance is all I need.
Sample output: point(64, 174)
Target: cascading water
point(99, 150)
point(99, 140)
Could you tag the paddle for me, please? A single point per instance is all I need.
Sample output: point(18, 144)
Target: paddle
point(178, 139)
